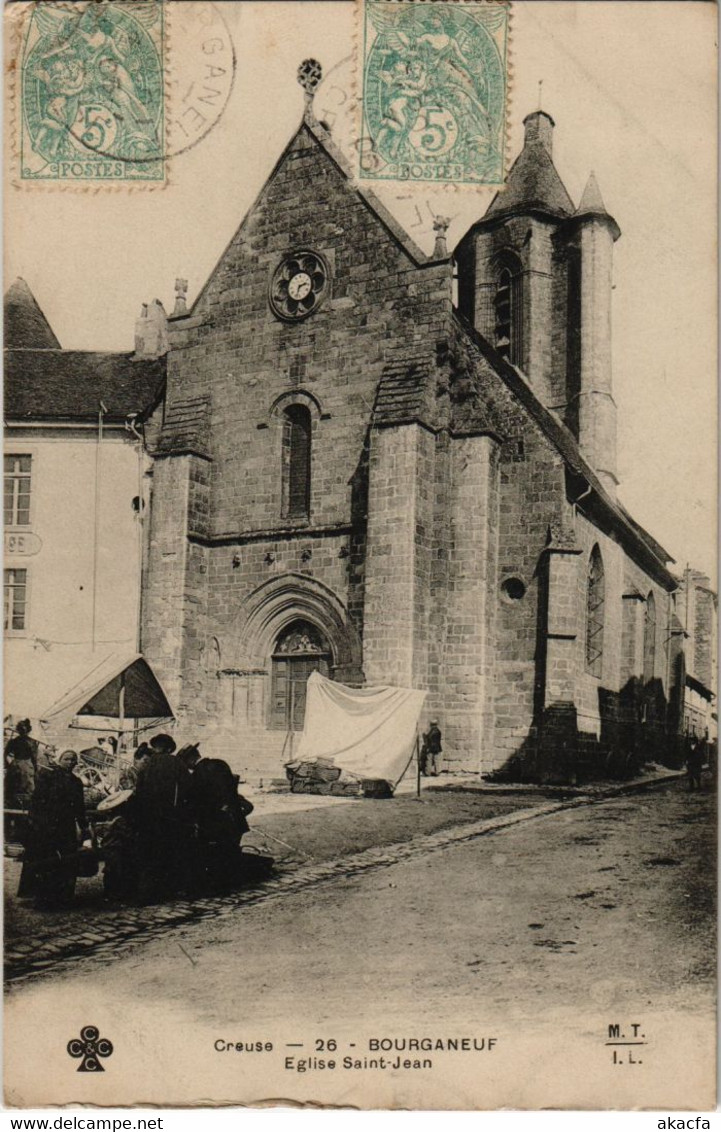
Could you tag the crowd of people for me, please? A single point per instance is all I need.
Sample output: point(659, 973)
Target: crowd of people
point(174, 828)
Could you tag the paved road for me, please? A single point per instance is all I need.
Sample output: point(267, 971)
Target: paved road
point(542, 934)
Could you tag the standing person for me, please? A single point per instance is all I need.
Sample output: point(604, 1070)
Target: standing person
point(220, 816)
point(129, 775)
point(163, 821)
point(694, 762)
point(21, 767)
point(431, 750)
point(712, 754)
point(57, 826)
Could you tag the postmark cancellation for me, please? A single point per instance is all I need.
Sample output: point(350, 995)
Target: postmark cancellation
point(434, 91)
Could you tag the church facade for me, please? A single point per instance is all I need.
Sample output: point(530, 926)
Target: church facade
point(401, 469)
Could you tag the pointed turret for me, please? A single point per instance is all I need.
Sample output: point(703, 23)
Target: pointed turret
point(533, 182)
point(26, 327)
point(592, 233)
point(592, 204)
point(591, 200)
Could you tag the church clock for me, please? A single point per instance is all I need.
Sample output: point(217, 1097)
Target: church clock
point(299, 284)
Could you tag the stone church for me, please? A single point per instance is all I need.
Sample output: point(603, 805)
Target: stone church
point(401, 469)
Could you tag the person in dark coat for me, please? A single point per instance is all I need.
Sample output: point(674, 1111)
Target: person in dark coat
point(21, 767)
point(163, 820)
point(220, 818)
point(57, 826)
point(129, 776)
point(431, 750)
point(694, 762)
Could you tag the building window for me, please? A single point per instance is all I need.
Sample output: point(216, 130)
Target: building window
point(595, 602)
point(649, 639)
point(296, 462)
point(299, 650)
point(17, 490)
point(508, 303)
point(16, 600)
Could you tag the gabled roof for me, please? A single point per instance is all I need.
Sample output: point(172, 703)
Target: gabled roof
point(67, 385)
point(310, 128)
point(25, 324)
point(533, 184)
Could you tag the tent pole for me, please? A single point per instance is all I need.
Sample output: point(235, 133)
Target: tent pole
point(418, 767)
point(292, 716)
point(121, 708)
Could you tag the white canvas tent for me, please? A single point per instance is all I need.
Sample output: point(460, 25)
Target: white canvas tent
point(368, 732)
point(121, 686)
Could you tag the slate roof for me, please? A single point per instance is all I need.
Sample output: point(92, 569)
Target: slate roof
point(532, 183)
point(401, 389)
point(631, 533)
point(25, 324)
point(67, 385)
point(186, 428)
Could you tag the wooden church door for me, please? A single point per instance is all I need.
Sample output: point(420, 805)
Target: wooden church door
point(299, 650)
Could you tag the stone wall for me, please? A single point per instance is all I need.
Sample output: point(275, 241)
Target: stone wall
point(232, 353)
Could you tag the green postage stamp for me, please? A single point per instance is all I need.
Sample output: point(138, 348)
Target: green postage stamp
point(435, 83)
point(91, 92)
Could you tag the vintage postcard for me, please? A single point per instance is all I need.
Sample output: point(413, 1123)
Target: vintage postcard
point(360, 670)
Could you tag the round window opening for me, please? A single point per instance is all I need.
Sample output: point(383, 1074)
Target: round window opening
point(513, 589)
point(299, 285)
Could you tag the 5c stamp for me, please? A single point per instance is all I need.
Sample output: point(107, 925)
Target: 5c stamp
point(92, 92)
point(435, 81)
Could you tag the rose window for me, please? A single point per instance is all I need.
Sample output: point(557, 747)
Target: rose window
point(299, 284)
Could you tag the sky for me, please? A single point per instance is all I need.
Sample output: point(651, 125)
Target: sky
point(631, 87)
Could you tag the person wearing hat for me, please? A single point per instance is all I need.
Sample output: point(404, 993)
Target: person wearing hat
point(163, 819)
point(431, 750)
point(219, 815)
point(57, 826)
point(21, 767)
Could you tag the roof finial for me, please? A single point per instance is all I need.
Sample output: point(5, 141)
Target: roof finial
point(309, 76)
point(181, 290)
point(440, 227)
point(540, 92)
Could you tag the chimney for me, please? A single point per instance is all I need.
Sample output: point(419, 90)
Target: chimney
point(539, 130)
point(151, 331)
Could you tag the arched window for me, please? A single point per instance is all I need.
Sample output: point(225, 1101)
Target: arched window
point(595, 602)
point(508, 303)
point(299, 650)
point(296, 462)
point(649, 639)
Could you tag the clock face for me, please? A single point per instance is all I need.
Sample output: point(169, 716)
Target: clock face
point(299, 284)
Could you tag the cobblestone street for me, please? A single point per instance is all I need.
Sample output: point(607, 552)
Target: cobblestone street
point(330, 838)
point(543, 929)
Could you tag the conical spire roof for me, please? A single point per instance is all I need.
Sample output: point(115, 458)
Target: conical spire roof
point(591, 201)
point(592, 206)
point(26, 327)
point(533, 181)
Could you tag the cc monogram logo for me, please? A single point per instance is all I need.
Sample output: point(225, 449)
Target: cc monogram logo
point(90, 1047)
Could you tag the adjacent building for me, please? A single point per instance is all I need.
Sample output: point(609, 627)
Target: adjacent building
point(74, 482)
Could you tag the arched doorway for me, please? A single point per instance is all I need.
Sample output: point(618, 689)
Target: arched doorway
point(299, 649)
